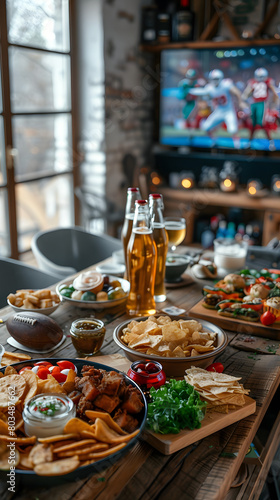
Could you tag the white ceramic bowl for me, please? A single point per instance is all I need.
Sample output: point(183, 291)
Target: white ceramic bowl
point(114, 268)
point(175, 367)
point(42, 310)
point(118, 256)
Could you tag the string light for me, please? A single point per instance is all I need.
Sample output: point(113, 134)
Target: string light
point(254, 187)
point(275, 184)
point(187, 180)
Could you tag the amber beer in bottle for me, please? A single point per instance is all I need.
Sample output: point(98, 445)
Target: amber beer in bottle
point(161, 241)
point(133, 194)
point(141, 258)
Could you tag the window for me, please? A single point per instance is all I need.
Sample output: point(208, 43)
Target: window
point(36, 117)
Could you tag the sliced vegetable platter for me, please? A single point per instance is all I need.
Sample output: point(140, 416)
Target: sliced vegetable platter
point(246, 302)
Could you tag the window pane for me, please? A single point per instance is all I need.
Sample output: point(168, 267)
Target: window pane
point(43, 144)
point(2, 153)
point(39, 23)
point(39, 81)
point(4, 225)
point(1, 102)
point(41, 205)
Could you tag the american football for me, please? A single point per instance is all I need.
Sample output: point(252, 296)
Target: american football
point(34, 330)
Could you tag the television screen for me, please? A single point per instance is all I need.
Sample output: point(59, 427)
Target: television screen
point(221, 98)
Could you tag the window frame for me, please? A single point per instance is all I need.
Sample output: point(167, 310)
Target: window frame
point(7, 114)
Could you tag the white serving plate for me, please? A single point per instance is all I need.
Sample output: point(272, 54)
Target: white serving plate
point(88, 304)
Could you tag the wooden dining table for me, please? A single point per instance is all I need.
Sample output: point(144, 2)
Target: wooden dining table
point(214, 467)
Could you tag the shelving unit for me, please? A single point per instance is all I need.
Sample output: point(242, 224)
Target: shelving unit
point(202, 44)
point(193, 201)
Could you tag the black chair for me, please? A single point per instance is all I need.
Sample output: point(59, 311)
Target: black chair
point(64, 251)
point(15, 276)
point(263, 257)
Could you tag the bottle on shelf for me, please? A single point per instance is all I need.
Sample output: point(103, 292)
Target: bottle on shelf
point(149, 24)
point(207, 237)
point(240, 232)
point(161, 241)
point(133, 194)
point(183, 22)
point(142, 254)
point(163, 27)
point(230, 232)
point(222, 229)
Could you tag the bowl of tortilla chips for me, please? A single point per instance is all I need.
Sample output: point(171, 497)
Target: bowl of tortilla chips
point(177, 343)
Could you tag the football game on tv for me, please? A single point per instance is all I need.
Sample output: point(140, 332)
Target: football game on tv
point(221, 98)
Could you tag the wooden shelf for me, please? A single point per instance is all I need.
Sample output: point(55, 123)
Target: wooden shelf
point(219, 198)
point(209, 44)
point(192, 202)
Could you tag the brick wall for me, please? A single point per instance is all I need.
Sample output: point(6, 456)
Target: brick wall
point(129, 96)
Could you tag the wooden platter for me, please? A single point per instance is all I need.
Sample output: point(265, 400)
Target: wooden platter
point(169, 443)
point(235, 325)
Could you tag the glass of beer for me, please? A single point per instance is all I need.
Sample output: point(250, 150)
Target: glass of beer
point(176, 230)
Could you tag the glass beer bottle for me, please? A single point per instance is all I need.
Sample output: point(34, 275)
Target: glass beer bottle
point(161, 241)
point(133, 194)
point(141, 259)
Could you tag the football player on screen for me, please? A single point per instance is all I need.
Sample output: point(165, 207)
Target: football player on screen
point(259, 90)
point(221, 91)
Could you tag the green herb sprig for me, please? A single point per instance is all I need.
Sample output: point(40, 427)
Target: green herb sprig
point(175, 406)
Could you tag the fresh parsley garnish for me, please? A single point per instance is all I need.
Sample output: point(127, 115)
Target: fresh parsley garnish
point(175, 406)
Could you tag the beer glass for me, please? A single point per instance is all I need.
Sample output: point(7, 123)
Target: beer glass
point(141, 257)
point(176, 230)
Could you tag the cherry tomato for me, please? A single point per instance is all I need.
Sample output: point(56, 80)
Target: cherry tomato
point(55, 369)
point(43, 373)
point(43, 363)
point(215, 367)
point(25, 368)
point(268, 318)
point(59, 377)
point(66, 364)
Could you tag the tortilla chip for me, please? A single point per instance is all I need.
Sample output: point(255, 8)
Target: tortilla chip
point(58, 467)
point(12, 388)
point(107, 435)
point(49, 385)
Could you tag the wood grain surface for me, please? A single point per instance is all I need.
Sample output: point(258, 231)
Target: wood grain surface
point(202, 470)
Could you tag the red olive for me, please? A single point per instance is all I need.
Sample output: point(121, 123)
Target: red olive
point(106, 280)
point(141, 366)
point(151, 368)
point(141, 372)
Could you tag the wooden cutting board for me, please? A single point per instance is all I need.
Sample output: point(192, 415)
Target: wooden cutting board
point(169, 443)
point(235, 325)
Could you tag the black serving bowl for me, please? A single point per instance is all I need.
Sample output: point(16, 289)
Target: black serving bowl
point(30, 479)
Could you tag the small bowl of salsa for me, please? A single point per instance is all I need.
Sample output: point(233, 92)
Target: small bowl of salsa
point(87, 335)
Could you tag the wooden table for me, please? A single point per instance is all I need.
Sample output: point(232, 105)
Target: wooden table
point(205, 470)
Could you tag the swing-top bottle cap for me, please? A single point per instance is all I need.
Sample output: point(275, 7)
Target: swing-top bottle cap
point(155, 195)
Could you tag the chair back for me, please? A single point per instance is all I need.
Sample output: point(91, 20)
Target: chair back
point(15, 276)
point(263, 257)
point(64, 251)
